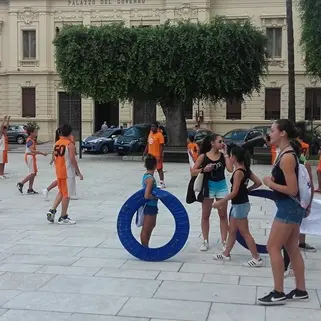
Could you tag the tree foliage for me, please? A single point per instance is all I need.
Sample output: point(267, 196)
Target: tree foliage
point(169, 63)
point(311, 35)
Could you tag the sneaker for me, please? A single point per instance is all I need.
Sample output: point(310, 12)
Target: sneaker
point(307, 248)
point(221, 257)
point(45, 194)
point(51, 215)
point(223, 246)
point(74, 198)
point(297, 294)
point(65, 221)
point(162, 185)
point(273, 298)
point(31, 191)
point(254, 263)
point(205, 246)
point(2, 177)
point(288, 273)
point(20, 187)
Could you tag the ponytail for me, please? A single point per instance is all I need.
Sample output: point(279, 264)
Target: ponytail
point(296, 145)
point(241, 155)
point(247, 160)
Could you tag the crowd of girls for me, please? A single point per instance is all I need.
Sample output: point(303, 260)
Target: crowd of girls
point(214, 158)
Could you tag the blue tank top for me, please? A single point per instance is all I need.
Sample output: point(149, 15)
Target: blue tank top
point(145, 176)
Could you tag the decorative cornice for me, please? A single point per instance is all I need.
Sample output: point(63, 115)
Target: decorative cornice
point(27, 15)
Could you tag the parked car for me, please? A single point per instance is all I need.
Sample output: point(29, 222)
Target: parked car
point(17, 134)
point(102, 141)
point(264, 129)
point(134, 139)
point(199, 134)
point(247, 138)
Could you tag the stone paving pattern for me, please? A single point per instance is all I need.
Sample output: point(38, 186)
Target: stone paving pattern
point(82, 273)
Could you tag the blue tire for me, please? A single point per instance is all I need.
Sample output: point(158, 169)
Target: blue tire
point(258, 193)
point(130, 243)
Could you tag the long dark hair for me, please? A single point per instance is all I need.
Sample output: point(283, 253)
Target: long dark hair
point(241, 155)
point(57, 137)
point(289, 127)
point(206, 145)
point(296, 145)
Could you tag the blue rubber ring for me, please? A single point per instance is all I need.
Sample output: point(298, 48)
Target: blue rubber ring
point(258, 193)
point(130, 243)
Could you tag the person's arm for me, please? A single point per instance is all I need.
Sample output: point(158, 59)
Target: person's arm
point(257, 182)
point(228, 162)
point(72, 154)
point(8, 121)
point(149, 187)
point(197, 166)
point(161, 144)
point(287, 165)
point(3, 123)
point(309, 169)
point(34, 151)
point(237, 179)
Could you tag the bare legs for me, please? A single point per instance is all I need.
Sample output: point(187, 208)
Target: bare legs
point(2, 169)
point(53, 185)
point(205, 222)
point(147, 229)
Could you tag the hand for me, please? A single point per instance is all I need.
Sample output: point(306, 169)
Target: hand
point(217, 204)
point(224, 148)
point(267, 180)
point(80, 176)
point(51, 162)
point(208, 168)
point(308, 211)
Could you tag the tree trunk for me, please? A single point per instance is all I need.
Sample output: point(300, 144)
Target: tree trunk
point(291, 71)
point(175, 122)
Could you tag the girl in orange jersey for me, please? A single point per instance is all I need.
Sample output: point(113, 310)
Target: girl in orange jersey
point(31, 161)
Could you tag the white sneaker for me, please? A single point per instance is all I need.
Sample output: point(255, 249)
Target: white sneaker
point(45, 194)
point(288, 273)
point(73, 198)
point(2, 177)
point(162, 185)
point(66, 221)
point(205, 246)
point(221, 257)
point(254, 263)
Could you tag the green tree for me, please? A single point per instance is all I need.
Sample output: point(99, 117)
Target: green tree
point(310, 12)
point(171, 64)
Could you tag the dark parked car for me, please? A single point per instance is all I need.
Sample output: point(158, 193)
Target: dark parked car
point(199, 134)
point(134, 139)
point(17, 134)
point(102, 141)
point(264, 129)
point(247, 138)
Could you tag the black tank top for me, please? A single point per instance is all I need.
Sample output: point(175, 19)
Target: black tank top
point(278, 175)
point(243, 194)
point(218, 172)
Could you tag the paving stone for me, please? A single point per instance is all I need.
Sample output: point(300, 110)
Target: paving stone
point(288, 314)
point(207, 292)
point(94, 262)
point(24, 315)
point(131, 274)
point(92, 317)
point(14, 267)
point(180, 276)
point(103, 286)
point(6, 295)
point(68, 270)
point(62, 302)
point(170, 309)
point(162, 266)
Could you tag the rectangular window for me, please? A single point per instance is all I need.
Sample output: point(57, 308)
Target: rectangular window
point(274, 42)
point(272, 103)
point(233, 109)
point(29, 102)
point(29, 44)
point(312, 103)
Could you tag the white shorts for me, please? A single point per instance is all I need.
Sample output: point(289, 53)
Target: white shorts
point(31, 162)
point(67, 186)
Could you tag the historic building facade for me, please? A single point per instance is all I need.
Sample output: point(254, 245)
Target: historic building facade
point(29, 84)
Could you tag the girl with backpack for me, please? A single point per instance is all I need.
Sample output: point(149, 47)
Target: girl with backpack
point(285, 229)
point(240, 206)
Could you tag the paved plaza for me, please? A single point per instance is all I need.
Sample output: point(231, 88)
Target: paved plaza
point(82, 273)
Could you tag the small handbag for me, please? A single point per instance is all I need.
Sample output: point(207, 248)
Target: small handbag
point(198, 184)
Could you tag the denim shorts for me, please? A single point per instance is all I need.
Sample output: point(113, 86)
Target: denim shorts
point(217, 189)
point(240, 210)
point(289, 211)
point(150, 210)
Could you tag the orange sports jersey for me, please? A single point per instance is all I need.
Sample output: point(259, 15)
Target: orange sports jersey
point(193, 148)
point(64, 168)
point(304, 146)
point(154, 143)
